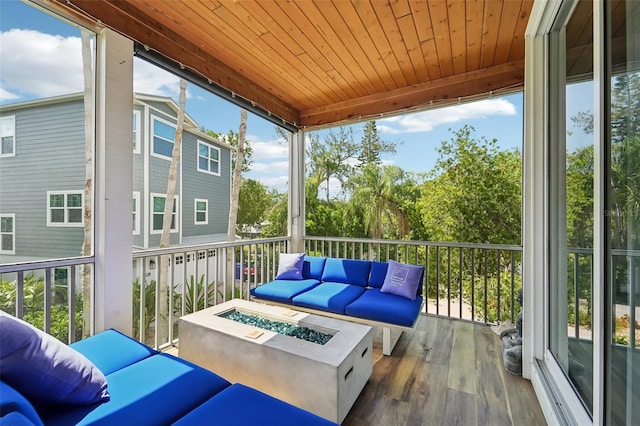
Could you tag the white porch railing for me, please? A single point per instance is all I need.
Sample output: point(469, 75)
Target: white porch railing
point(473, 282)
point(198, 276)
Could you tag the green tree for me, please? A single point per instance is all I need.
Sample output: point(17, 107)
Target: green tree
point(473, 194)
point(331, 158)
point(254, 204)
point(371, 146)
point(378, 195)
point(276, 222)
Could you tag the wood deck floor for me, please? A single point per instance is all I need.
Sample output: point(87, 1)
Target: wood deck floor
point(445, 372)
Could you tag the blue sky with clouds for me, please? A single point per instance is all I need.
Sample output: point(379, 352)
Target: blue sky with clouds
point(32, 43)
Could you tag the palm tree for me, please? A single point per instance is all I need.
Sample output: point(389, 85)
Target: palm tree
point(375, 193)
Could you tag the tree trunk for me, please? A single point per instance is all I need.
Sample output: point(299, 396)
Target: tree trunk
point(87, 244)
point(163, 305)
point(235, 195)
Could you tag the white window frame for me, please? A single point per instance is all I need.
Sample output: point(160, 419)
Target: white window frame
point(66, 222)
point(68, 278)
point(152, 137)
point(137, 123)
point(176, 205)
point(195, 211)
point(136, 213)
point(12, 216)
point(8, 128)
point(209, 147)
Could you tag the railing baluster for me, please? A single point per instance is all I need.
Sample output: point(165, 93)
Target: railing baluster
point(473, 284)
point(460, 268)
point(576, 295)
point(47, 300)
point(499, 272)
point(513, 279)
point(486, 283)
point(71, 298)
point(437, 280)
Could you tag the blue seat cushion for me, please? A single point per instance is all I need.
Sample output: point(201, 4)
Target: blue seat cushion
point(385, 307)
point(14, 404)
point(329, 296)
point(157, 390)
point(111, 350)
point(239, 405)
point(347, 271)
point(312, 267)
point(378, 273)
point(16, 418)
point(283, 290)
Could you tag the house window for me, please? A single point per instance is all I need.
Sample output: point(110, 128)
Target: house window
point(65, 208)
point(7, 234)
point(208, 158)
point(201, 209)
point(157, 214)
point(61, 277)
point(163, 138)
point(136, 213)
point(8, 136)
point(136, 132)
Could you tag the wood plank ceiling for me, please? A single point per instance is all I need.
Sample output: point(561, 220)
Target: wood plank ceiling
point(317, 63)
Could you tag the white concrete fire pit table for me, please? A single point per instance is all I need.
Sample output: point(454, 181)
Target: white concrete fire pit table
point(324, 379)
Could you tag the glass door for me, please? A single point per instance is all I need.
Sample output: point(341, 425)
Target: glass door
point(571, 155)
point(622, 215)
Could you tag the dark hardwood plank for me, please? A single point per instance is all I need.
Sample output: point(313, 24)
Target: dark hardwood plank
point(412, 386)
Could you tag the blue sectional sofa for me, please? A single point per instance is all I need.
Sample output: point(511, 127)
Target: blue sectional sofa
point(357, 290)
point(136, 385)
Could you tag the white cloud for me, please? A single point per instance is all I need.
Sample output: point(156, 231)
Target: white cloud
point(279, 183)
point(43, 65)
point(273, 167)
point(150, 79)
point(427, 120)
point(7, 96)
point(268, 150)
point(35, 67)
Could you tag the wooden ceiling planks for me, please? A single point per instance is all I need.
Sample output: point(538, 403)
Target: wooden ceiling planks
point(440, 22)
point(315, 62)
point(458, 35)
point(474, 14)
point(424, 28)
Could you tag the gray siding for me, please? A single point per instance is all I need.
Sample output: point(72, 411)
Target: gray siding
point(50, 150)
point(216, 189)
point(158, 179)
point(49, 157)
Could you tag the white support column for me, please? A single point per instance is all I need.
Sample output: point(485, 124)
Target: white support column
point(113, 182)
point(535, 217)
point(296, 216)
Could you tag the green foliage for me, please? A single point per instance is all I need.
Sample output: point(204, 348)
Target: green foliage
point(196, 296)
point(474, 192)
point(149, 307)
point(253, 204)
point(372, 147)
point(33, 306)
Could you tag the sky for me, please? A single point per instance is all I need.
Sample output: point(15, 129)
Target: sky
point(32, 43)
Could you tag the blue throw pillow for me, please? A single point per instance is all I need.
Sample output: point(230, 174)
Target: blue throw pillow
point(45, 370)
point(290, 266)
point(402, 279)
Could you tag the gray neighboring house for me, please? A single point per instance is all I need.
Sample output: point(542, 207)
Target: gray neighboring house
point(42, 178)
